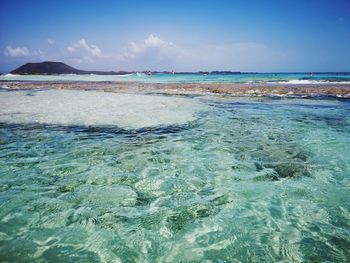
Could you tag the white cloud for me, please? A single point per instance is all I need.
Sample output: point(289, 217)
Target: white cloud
point(150, 43)
point(82, 45)
point(51, 41)
point(16, 51)
point(153, 41)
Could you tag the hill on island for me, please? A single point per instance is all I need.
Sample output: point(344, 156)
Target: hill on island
point(49, 67)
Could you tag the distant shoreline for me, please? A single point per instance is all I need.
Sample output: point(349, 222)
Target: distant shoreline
point(234, 89)
point(156, 72)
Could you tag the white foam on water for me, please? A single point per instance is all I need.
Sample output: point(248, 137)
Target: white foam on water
point(10, 75)
point(93, 108)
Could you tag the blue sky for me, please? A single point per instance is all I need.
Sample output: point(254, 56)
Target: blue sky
point(264, 36)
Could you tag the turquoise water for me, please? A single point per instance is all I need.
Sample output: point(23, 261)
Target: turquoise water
point(248, 180)
point(292, 78)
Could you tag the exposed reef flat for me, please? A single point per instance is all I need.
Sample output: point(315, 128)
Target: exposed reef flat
point(77, 107)
point(235, 89)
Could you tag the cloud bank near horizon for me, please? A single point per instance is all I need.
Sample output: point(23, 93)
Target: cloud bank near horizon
point(155, 53)
point(242, 56)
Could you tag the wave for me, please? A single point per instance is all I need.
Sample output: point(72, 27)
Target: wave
point(11, 75)
point(125, 75)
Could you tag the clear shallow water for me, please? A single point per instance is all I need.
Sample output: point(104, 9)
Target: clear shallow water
point(248, 180)
point(291, 78)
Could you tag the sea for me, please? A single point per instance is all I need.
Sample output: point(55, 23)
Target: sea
point(283, 78)
point(89, 176)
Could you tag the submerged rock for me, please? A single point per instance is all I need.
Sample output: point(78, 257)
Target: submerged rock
point(189, 215)
point(287, 163)
point(301, 156)
point(289, 169)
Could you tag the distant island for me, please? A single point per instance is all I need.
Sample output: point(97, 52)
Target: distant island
point(51, 68)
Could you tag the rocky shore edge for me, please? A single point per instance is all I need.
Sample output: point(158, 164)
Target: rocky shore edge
point(234, 89)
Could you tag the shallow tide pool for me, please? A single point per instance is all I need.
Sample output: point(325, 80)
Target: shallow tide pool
point(241, 180)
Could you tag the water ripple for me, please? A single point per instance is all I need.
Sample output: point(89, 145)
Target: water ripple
point(249, 180)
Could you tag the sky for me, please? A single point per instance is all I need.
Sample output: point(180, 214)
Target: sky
point(249, 36)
